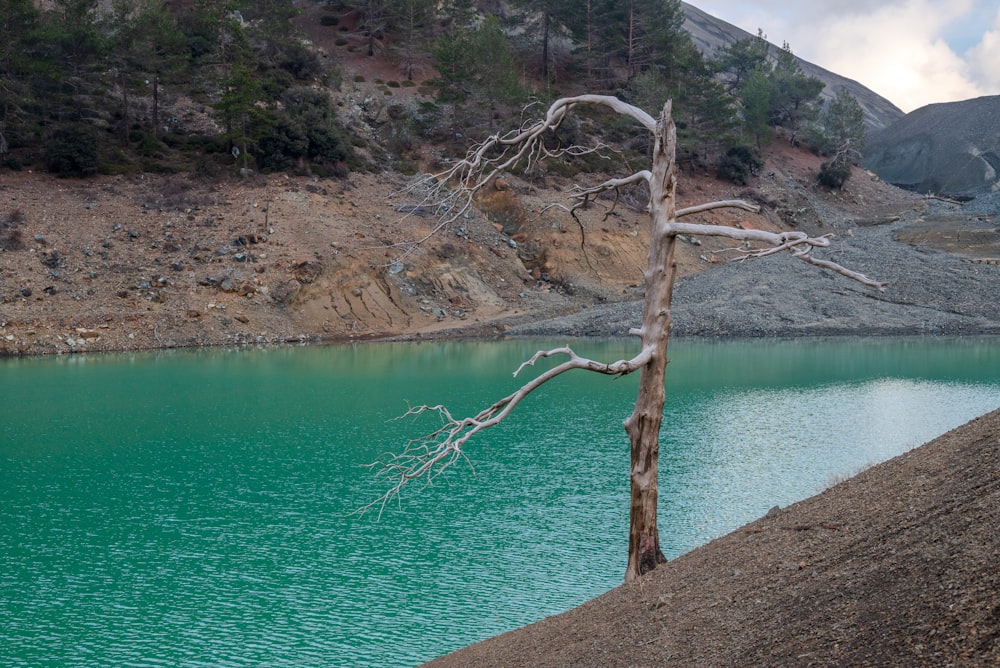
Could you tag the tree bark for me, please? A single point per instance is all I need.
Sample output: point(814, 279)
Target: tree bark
point(643, 426)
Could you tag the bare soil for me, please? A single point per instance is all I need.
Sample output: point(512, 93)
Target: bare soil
point(141, 262)
point(897, 566)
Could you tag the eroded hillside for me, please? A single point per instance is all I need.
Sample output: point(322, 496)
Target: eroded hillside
point(120, 263)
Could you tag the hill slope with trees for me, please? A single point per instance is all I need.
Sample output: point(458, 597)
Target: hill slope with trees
point(211, 88)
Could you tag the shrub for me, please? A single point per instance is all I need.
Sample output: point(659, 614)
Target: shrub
point(328, 20)
point(275, 82)
point(739, 164)
point(834, 174)
point(72, 151)
point(305, 130)
point(299, 61)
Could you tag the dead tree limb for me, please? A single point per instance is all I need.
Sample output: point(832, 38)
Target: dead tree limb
point(427, 456)
point(453, 191)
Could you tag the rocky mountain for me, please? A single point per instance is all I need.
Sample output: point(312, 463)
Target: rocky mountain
point(711, 34)
point(950, 149)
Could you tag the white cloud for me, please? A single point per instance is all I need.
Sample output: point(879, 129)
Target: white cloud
point(984, 58)
point(896, 48)
point(896, 51)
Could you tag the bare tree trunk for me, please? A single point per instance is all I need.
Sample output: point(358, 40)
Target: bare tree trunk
point(545, 46)
point(125, 122)
point(426, 457)
point(630, 53)
point(643, 426)
point(590, 47)
point(156, 106)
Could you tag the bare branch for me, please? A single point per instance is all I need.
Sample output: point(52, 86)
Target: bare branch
point(427, 457)
point(722, 204)
point(502, 152)
point(799, 244)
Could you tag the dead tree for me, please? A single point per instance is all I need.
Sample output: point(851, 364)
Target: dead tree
point(453, 190)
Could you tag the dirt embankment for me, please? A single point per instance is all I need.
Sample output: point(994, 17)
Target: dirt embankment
point(150, 262)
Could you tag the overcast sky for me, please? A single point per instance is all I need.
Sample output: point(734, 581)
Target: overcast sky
point(912, 52)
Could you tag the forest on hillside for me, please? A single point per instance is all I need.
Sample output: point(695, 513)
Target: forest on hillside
point(94, 86)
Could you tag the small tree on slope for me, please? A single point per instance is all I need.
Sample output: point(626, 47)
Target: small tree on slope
point(452, 192)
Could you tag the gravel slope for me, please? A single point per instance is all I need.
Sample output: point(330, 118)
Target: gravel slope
point(929, 291)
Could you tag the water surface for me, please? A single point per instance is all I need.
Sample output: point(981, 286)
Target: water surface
point(195, 508)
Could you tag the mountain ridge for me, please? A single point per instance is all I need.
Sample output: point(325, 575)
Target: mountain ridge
point(946, 148)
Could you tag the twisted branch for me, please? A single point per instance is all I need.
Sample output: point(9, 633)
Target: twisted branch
point(799, 244)
point(501, 152)
point(427, 457)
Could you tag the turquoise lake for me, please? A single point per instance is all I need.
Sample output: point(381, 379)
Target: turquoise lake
point(196, 508)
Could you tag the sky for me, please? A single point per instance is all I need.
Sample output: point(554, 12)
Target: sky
point(911, 52)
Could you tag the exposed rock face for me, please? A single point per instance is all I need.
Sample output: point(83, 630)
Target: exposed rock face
point(948, 149)
point(711, 34)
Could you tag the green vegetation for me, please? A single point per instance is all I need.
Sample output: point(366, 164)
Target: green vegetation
point(90, 86)
point(840, 135)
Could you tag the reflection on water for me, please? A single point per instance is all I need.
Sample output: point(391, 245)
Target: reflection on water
point(194, 508)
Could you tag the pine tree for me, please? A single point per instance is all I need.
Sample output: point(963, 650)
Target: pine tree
point(840, 134)
point(737, 62)
point(477, 65)
point(756, 98)
point(793, 95)
point(240, 108)
point(412, 18)
point(19, 22)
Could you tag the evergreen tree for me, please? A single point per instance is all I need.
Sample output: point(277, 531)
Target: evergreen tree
point(543, 20)
point(735, 63)
point(241, 105)
point(413, 17)
point(146, 46)
point(476, 65)
point(705, 116)
point(641, 34)
point(19, 22)
point(793, 94)
point(76, 48)
point(496, 74)
point(304, 130)
point(840, 134)
point(756, 105)
point(456, 65)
